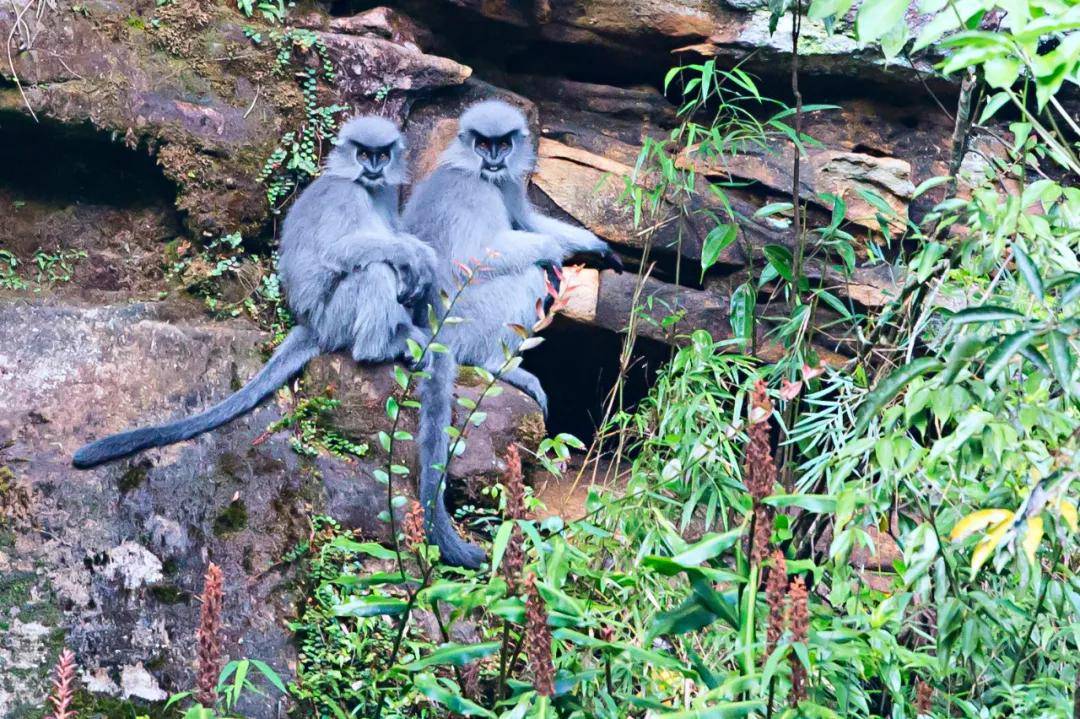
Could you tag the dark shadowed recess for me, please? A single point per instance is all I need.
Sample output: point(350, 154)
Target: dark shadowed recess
point(578, 366)
point(490, 46)
point(50, 162)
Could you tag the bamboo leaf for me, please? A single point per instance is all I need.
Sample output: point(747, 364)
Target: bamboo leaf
point(372, 606)
point(999, 358)
point(977, 521)
point(781, 259)
point(718, 239)
point(889, 387)
point(1069, 513)
point(430, 687)
point(986, 313)
point(457, 654)
point(710, 546)
point(985, 548)
point(1029, 272)
point(877, 17)
point(964, 349)
point(1061, 360)
point(1033, 534)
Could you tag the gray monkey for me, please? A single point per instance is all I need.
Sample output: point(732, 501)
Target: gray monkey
point(349, 274)
point(473, 209)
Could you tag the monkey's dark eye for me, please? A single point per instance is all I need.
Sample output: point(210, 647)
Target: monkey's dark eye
point(482, 144)
point(384, 156)
point(504, 145)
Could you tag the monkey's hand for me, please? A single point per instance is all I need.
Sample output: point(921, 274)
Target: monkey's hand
point(611, 261)
point(416, 273)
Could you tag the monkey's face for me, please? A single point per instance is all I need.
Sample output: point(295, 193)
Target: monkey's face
point(369, 152)
point(373, 163)
point(495, 153)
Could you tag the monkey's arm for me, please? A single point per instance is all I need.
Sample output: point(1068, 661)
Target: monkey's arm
point(412, 260)
point(572, 239)
point(514, 251)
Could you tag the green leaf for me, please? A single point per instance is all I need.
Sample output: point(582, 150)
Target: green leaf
point(371, 606)
point(722, 710)
point(689, 616)
point(780, 258)
point(1071, 294)
point(929, 185)
point(430, 687)
point(1061, 360)
point(964, 349)
point(372, 549)
point(822, 9)
point(718, 239)
point(773, 208)
point(1029, 272)
point(992, 106)
point(741, 311)
point(725, 606)
point(889, 387)
point(816, 503)
point(270, 674)
point(1009, 346)
point(986, 313)
point(1036, 358)
point(710, 546)
point(1001, 71)
point(457, 654)
point(671, 76)
point(877, 17)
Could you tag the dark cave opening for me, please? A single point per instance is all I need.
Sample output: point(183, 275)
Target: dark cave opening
point(52, 163)
point(578, 366)
point(492, 47)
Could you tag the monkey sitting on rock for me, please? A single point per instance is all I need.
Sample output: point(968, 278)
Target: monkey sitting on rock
point(473, 208)
point(350, 276)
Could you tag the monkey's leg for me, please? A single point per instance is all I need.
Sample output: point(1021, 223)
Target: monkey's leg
point(528, 383)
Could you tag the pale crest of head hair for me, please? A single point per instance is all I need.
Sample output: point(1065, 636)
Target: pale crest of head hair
point(368, 131)
point(492, 118)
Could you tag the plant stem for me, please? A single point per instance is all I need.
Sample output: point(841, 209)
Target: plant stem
point(500, 688)
point(397, 645)
point(787, 450)
point(961, 129)
point(747, 621)
point(1018, 662)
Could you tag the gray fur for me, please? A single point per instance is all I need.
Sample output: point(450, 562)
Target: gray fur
point(473, 209)
point(349, 276)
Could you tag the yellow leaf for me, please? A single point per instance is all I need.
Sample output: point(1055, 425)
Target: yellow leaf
point(976, 521)
point(985, 548)
point(1032, 537)
point(1069, 514)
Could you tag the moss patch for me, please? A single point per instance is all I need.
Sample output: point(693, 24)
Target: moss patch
point(132, 478)
point(169, 594)
point(231, 520)
point(98, 706)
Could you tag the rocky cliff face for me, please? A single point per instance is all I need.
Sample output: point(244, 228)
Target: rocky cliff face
point(131, 130)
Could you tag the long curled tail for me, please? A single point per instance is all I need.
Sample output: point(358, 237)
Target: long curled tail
point(436, 398)
point(295, 352)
